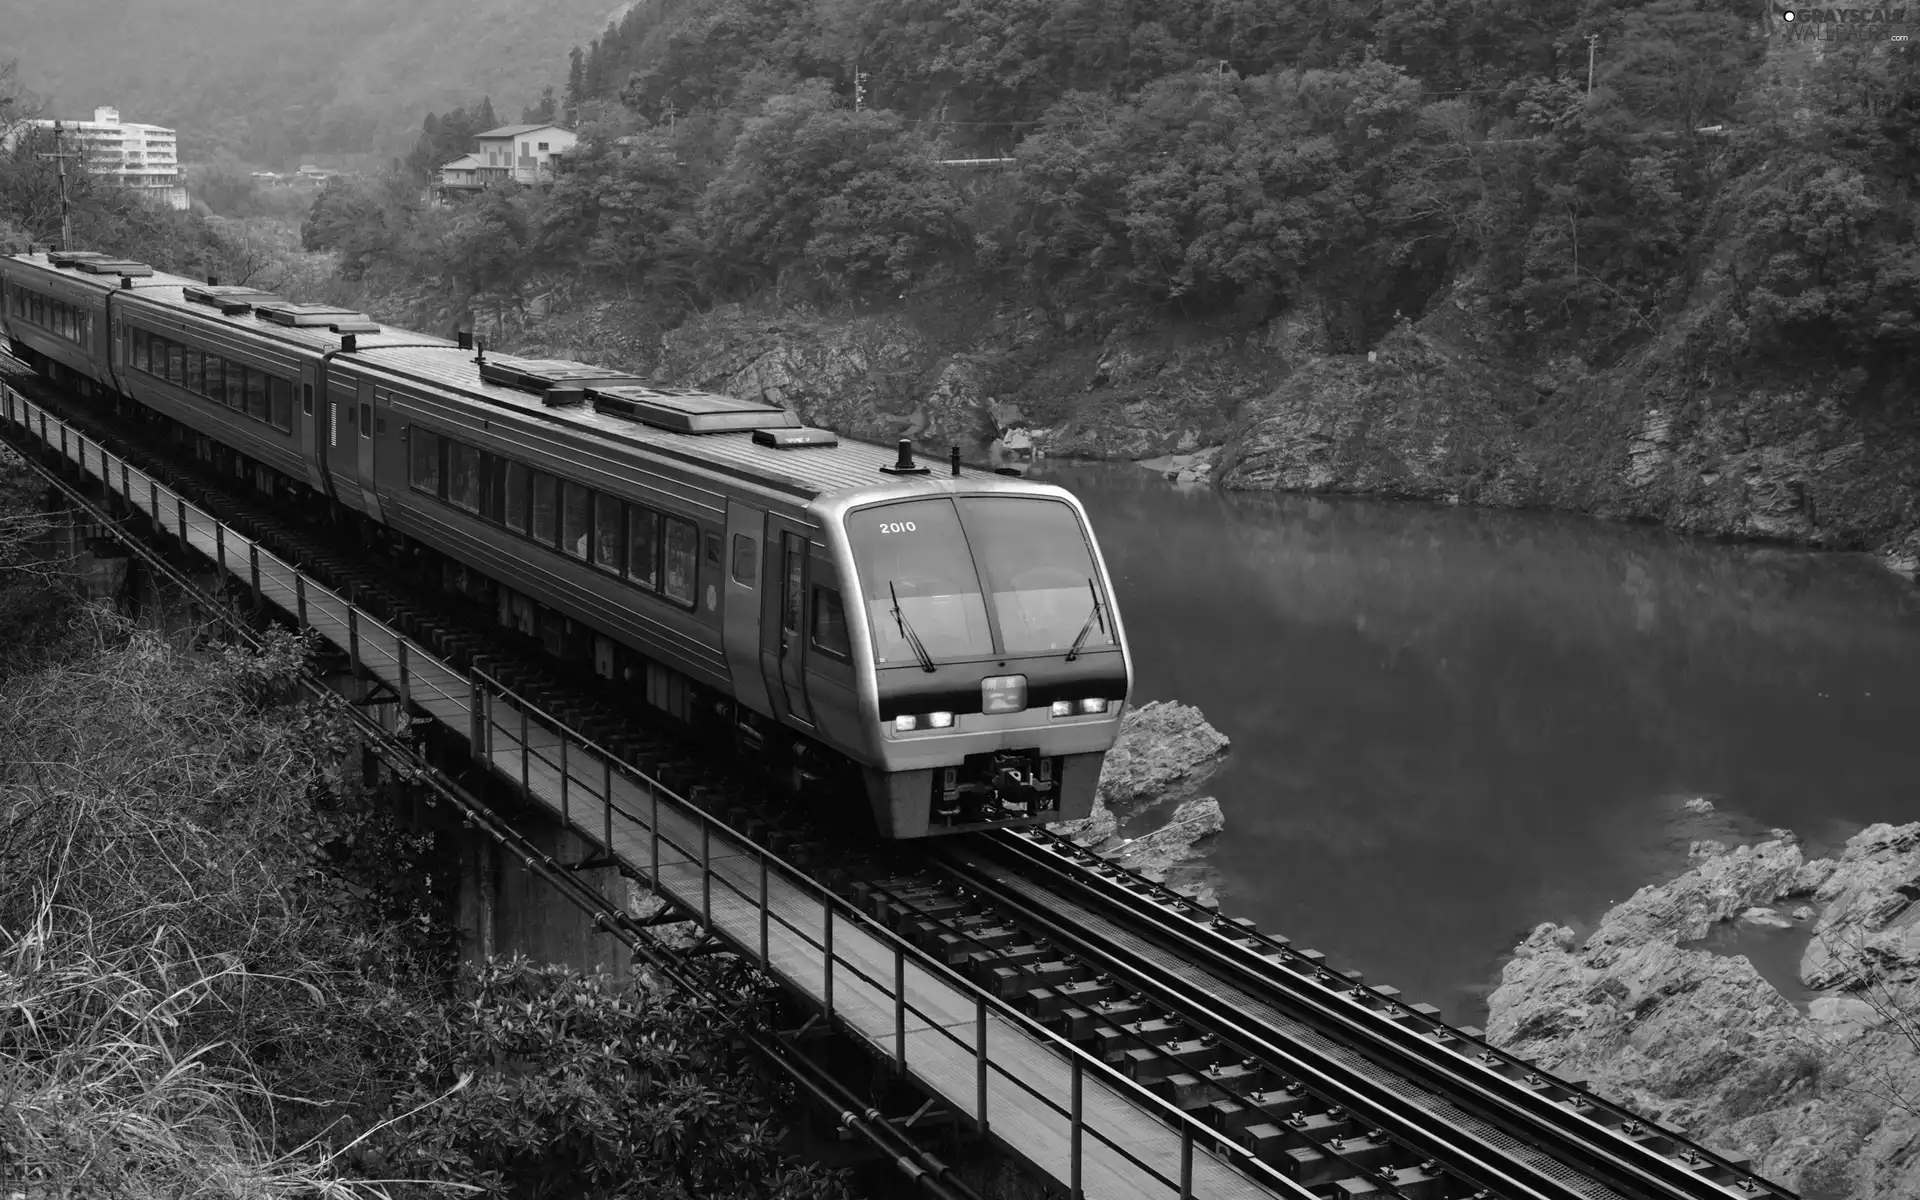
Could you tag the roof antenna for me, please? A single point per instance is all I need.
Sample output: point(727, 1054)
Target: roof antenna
point(906, 465)
point(480, 350)
point(953, 456)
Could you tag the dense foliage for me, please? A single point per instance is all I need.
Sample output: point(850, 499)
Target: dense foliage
point(1217, 156)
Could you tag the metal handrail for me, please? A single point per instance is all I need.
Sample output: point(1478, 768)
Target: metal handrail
point(1192, 1130)
point(485, 689)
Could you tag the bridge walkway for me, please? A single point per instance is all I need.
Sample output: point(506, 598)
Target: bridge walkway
point(1068, 1114)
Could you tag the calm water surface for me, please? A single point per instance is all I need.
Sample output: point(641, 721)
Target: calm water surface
point(1449, 725)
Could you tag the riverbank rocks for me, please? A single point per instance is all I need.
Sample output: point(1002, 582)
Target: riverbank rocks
point(1166, 750)
point(1825, 1100)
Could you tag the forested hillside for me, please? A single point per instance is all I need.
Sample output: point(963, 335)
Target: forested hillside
point(1196, 157)
point(273, 81)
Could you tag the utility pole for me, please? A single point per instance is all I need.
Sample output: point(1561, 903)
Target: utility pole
point(1593, 39)
point(60, 157)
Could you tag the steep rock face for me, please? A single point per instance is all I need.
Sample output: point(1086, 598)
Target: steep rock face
point(1418, 418)
point(1443, 409)
point(1440, 411)
point(1826, 1101)
point(963, 378)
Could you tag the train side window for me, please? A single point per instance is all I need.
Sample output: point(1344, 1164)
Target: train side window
point(176, 364)
point(515, 516)
point(306, 399)
point(713, 549)
point(792, 595)
point(196, 371)
point(423, 459)
point(607, 534)
point(643, 546)
point(280, 392)
point(830, 623)
point(682, 559)
point(236, 377)
point(745, 560)
point(575, 514)
point(463, 474)
point(140, 360)
point(493, 471)
point(546, 509)
point(257, 407)
point(366, 419)
point(215, 383)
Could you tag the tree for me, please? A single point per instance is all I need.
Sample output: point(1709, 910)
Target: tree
point(855, 193)
point(581, 1085)
point(576, 84)
point(541, 113)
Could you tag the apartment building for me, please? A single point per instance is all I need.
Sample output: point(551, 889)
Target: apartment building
point(145, 158)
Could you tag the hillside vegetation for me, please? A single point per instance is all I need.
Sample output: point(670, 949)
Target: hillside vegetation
point(1219, 158)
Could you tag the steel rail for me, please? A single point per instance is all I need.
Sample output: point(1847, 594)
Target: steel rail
point(1573, 1133)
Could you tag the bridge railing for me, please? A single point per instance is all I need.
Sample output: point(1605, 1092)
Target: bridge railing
point(1066, 1111)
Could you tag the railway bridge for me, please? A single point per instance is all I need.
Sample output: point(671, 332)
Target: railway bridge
point(1117, 1039)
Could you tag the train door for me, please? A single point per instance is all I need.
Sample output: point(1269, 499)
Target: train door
point(363, 454)
point(740, 621)
point(313, 425)
point(783, 621)
point(343, 431)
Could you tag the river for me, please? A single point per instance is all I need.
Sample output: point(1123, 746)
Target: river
point(1450, 724)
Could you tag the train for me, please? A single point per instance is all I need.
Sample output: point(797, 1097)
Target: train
point(942, 637)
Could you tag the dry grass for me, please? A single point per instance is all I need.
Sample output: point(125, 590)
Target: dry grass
point(156, 826)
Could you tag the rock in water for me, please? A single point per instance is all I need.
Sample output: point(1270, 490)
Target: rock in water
point(1154, 853)
point(1098, 827)
point(1165, 750)
point(1825, 1101)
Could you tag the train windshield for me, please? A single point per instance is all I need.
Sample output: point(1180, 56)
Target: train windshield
point(930, 570)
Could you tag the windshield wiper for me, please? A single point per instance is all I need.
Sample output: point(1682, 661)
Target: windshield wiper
point(1073, 652)
point(906, 631)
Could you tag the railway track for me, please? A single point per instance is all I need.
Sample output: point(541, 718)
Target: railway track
point(1343, 1088)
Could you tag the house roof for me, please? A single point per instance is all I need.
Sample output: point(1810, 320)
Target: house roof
point(508, 131)
point(466, 162)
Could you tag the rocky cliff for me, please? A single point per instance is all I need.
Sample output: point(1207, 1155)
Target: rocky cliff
point(1821, 1087)
point(1440, 410)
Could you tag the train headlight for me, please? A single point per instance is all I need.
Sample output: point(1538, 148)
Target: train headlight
point(1061, 708)
point(905, 723)
point(1093, 706)
point(939, 720)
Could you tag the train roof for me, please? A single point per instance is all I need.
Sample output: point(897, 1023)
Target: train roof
point(719, 432)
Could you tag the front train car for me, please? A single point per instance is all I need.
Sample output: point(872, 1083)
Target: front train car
point(992, 662)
